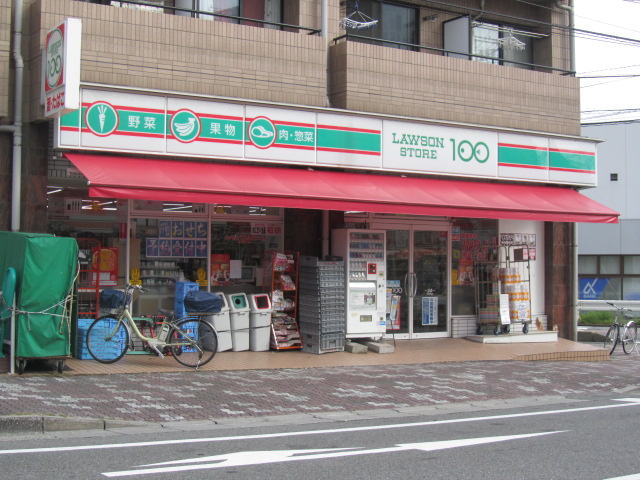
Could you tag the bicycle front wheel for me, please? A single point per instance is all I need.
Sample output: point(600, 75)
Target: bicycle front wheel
point(611, 339)
point(194, 342)
point(107, 340)
point(629, 337)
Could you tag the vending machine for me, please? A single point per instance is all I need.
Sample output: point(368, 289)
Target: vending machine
point(363, 252)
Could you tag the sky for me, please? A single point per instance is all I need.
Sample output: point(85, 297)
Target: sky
point(597, 56)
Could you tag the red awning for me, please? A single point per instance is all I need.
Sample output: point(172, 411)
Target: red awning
point(198, 182)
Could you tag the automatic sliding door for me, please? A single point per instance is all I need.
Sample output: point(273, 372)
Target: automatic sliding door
point(417, 281)
point(430, 278)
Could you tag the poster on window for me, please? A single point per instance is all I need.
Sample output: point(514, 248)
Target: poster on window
point(179, 238)
point(220, 269)
point(105, 261)
point(429, 310)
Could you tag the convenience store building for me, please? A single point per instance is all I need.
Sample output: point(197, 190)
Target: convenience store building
point(441, 152)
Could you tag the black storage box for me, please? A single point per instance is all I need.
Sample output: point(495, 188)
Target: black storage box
point(111, 299)
point(198, 301)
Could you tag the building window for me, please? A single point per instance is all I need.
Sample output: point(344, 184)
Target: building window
point(609, 277)
point(486, 38)
point(396, 23)
point(231, 11)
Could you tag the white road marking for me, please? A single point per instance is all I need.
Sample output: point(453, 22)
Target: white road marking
point(238, 459)
point(628, 402)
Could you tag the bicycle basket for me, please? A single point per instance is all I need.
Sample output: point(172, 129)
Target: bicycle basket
point(112, 300)
point(198, 301)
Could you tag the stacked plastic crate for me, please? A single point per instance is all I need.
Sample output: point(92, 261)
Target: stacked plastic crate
point(81, 339)
point(321, 305)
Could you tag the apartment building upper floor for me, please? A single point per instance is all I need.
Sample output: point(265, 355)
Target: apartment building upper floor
point(496, 63)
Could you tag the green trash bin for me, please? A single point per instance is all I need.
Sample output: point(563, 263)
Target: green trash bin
point(45, 268)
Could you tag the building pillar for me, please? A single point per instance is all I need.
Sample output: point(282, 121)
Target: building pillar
point(559, 278)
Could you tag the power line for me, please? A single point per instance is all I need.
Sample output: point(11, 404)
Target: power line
point(609, 76)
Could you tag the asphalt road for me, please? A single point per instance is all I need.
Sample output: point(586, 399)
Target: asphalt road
point(586, 438)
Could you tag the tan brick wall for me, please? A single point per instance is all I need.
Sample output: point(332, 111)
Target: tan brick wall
point(5, 55)
point(145, 50)
point(397, 82)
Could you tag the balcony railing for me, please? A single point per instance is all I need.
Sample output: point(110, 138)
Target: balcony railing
point(160, 7)
point(414, 47)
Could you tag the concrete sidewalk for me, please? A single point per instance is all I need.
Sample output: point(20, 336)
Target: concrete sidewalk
point(203, 399)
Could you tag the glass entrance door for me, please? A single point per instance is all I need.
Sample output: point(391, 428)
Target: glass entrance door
point(418, 281)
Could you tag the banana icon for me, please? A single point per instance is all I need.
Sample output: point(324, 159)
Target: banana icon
point(185, 129)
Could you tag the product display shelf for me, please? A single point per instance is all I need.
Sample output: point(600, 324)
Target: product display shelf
point(281, 282)
point(159, 273)
point(322, 305)
point(88, 280)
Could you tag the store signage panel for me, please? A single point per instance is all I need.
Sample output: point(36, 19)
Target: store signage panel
point(438, 149)
point(61, 68)
point(523, 157)
point(572, 161)
point(281, 135)
point(348, 140)
point(122, 121)
point(163, 125)
point(200, 128)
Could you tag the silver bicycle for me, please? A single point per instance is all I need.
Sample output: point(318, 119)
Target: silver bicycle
point(629, 331)
point(192, 341)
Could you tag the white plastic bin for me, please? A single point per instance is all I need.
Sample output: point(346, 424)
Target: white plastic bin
point(260, 306)
point(224, 341)
point(238, 311)
point(240, 340)
point(221, 321)
point(259, 339)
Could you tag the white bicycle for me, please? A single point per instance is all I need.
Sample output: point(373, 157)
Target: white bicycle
point(629, 331)
point(192, 341)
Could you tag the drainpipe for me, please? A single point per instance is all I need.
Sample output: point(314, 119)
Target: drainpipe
point(572, 38)
point(325, 34)
point(325, 19)
point(16, 128)
point(574, 278)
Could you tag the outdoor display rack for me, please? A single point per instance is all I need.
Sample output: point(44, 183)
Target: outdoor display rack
point(281, 282)
point(502, 287)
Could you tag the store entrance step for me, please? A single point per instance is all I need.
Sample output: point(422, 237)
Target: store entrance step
point(380, 347)
point(353, 347)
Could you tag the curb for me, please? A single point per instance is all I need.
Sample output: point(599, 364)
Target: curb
point(48, 424)
point(590, 337)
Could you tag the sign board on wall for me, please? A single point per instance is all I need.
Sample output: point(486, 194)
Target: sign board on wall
point(61, 68)
point(165, 125)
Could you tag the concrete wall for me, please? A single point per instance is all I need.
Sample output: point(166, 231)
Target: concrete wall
point(618, 154)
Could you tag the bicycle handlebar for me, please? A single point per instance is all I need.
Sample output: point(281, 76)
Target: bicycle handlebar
point(619, 308)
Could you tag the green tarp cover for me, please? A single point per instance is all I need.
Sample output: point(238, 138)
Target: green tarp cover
point(45, 268)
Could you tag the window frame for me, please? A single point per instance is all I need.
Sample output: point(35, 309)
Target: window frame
point(503, 31)
point(620, 277)
point(410, 45)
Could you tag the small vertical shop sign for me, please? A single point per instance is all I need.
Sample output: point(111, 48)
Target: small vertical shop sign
point(61, 68)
